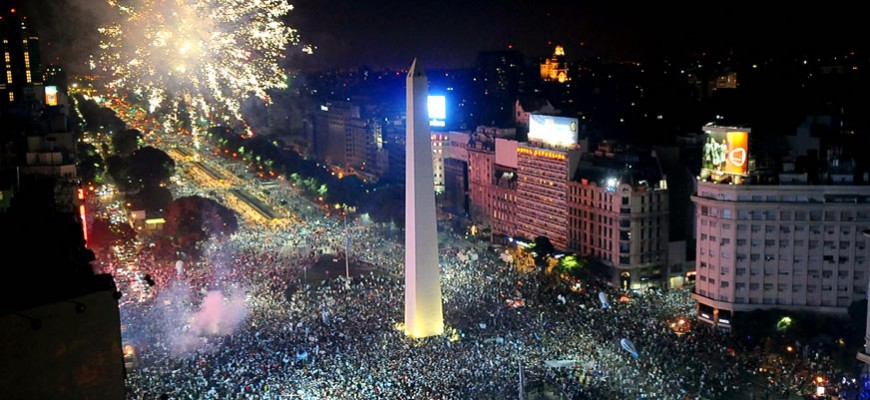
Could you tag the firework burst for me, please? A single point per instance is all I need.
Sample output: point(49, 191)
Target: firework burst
point(208, 55)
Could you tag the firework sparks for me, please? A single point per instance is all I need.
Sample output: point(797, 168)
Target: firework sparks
point(208, 54)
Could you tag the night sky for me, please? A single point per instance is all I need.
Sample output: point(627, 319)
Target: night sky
point(450, 33)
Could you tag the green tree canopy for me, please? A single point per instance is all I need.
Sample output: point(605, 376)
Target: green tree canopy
point(192, 220)
point(126, 141)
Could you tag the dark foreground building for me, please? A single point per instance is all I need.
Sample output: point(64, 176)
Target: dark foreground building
point(60, 334)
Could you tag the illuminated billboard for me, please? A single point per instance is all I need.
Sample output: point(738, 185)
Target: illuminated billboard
point(437, 111)
point(558, 131)
point(51, 95)
point(725, 157)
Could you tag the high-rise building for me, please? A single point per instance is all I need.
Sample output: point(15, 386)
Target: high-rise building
point(51, 154)
point(790, 241)
point(423, 309)
point(456, 173)
point(492, 177)
point(542, 188)
point(544, 166)
point(618, 214)
point(792, 247)
point(20, 67)
point(341, 134)
point(60, 333)
point(55, 75)
point(439, 143)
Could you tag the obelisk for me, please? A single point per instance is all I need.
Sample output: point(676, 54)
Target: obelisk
point(423, 314)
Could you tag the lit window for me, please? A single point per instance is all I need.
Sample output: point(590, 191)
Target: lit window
point(11, 97)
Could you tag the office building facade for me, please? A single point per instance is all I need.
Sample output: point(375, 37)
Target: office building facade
point(792, 247)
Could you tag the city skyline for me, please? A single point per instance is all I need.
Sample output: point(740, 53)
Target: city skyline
point(629, 202)
point(452, 34)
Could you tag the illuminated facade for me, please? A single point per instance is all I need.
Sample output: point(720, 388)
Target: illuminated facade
point(439, 144)
point(619, 216)
point(790, 246)
point(542, 186)
point(20, 66)
point(423, 309)
point(481, 161)
point(726, 81)
point(492, 184)
point(555, 68)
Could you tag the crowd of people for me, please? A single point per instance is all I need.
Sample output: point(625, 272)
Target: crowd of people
point(334, 341)
point(325, 339)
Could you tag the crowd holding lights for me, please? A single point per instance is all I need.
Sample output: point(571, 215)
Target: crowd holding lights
point(208, 55)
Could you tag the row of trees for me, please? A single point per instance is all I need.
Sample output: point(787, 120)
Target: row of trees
point(384, 203)
point(190, 222)
point(143, 174)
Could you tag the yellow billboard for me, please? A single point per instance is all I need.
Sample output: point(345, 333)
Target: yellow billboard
point(51, 95)
point(725, 154)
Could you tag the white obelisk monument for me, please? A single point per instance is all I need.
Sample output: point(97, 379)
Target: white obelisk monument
point(423, 314)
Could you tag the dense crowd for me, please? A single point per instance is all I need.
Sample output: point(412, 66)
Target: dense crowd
point(329, 340)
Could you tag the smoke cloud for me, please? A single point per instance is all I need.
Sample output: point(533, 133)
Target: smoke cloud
point(219, 315)
point(187, 324)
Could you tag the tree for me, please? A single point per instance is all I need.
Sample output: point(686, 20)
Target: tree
point(119, 170)
point(192, 220)
point(91, 165)
point(149, 166)
point(154, 198)
point(543, 248)
point(126, 141)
